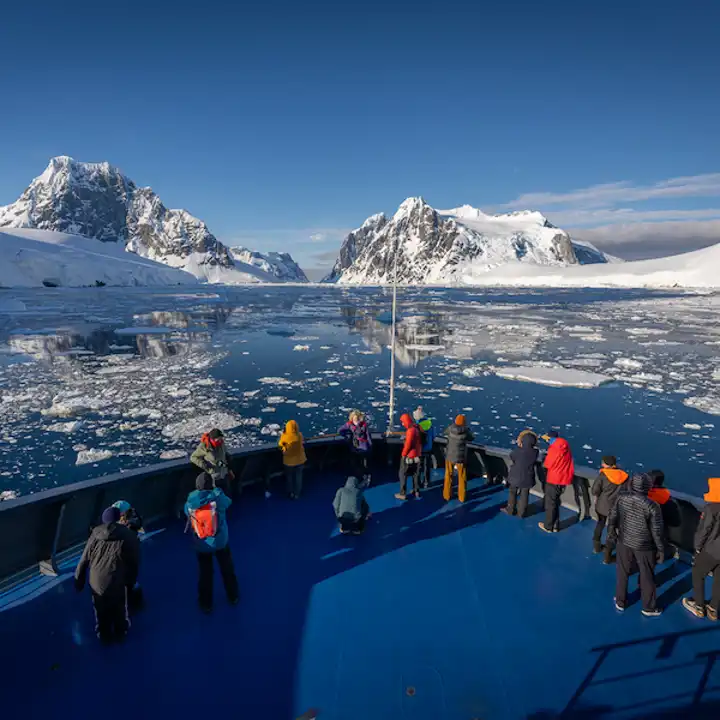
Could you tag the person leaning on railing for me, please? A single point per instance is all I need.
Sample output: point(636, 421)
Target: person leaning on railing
point(521, 475)
point(294, 459)
point(458, 436)
point(212, 457)
point(560, 473)
point(707, 556)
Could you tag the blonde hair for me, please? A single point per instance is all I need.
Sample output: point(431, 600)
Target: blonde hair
point(356, 414)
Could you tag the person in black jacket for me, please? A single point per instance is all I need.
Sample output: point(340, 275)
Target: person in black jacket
point(458, 436)
point(521, 476)
point(607, 486)
point(112, 556)
point(707, 557)
point(639, 526)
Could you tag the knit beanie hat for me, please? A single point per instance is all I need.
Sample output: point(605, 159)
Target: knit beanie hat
point(460, 420)
point(204, 482)
point(110, 515)
point(609, 460)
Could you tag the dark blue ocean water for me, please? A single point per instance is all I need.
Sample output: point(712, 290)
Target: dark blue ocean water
point(143, 372)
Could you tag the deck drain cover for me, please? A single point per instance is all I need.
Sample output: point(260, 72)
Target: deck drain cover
point(410, 691)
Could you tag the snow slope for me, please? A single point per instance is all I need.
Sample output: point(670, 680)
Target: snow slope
point(30, 258)
point(97, 200)
point(280, 265)
point(698, 269)
point(443, 246)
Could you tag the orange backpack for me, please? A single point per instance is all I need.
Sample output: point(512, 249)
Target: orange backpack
point(204, 520)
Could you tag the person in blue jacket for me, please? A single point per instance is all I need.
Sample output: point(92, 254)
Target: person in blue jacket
point(427, 437)
point(206, 509)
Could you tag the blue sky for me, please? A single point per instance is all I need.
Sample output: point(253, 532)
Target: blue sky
point(283, 125)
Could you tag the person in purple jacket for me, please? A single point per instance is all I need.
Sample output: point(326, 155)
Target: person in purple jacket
point(357, 433)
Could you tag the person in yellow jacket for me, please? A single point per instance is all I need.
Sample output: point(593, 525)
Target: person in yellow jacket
point(294, 459)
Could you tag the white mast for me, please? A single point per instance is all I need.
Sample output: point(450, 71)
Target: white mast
point(391, 413)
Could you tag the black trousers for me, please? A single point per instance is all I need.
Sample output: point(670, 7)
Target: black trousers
point(111, 615)
point(409, 470)
point(427, 462)
point(359, 465)
point(704, 564)
point(553, 498)
point(293, 479)
point(350, 524)
point(519, 496)
point(205, 581)
point(630, 561)
point(581, 490)
point(597, 536)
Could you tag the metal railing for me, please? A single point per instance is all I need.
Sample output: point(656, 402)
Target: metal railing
point(36, 530)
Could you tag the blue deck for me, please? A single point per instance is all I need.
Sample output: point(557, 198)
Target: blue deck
point(439, 612)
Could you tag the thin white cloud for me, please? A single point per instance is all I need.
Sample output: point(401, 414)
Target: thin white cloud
point(652, 239)
point(576, 217)
point(609, 194)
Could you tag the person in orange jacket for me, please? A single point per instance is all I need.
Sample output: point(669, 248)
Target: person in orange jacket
point(607, 486)
point(294, 459)
point(410, 458)
point(560, 473)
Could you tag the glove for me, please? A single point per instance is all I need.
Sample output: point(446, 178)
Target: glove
point(660, 557)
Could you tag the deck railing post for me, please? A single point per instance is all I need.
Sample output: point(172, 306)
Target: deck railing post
point(49, 566)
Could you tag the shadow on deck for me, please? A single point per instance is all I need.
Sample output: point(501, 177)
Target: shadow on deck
point(440, 611)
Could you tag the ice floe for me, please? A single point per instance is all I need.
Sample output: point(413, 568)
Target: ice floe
point(553, 375)
point(85, 457)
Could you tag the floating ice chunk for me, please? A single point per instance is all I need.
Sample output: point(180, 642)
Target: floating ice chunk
point(326, 347)
point(250, 393)
point(67, 406)
point(268, 409)
point(172, 454)
point(707, 404)
point(628, 363)
point(275, 400)
point(307, 405)
point(272, 429)
point(8, 495)
point(67, 427)
point(204, 381)
point(275, 381)
point(175, 392)
point(85, 457)
point(300, 348)
point(194, 427)
point(463, 388)
point(553, 375)
point(692, 426)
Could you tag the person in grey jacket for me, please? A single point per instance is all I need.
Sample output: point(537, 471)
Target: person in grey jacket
point(351, 507)
point(112, 557)
point(638, 523)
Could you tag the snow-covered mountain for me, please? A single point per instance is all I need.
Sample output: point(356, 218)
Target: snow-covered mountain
point(279, 265)
point(98, 201)
point(452, 246)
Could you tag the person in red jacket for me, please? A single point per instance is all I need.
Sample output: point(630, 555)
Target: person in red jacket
point(560, 473)
point(410, 459)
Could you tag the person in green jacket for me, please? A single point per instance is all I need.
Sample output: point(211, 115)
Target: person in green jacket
point(211, 457)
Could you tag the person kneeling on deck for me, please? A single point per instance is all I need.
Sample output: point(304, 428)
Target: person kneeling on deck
point(707, 556)
point(409, 458)
point(205, 508)
point(427, 438)
point(560, 473)
point(521, 476)
point(294, 459)
point(112, 557)
point(637, 520)
point(130, 518)
point(670, 511)
point(351, 508)
point(211, 457)
point(458, 437)
point(606, 488)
